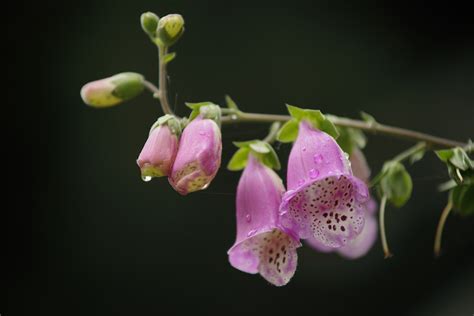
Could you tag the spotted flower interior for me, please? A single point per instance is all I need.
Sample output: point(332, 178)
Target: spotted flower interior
point(276, 255)
point(329, 210)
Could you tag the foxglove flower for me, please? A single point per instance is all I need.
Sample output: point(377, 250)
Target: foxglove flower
point(199, 156)
point(366, 239)
point(158, 154)
point(262, 245)
point(324, 200)
point(112, 90)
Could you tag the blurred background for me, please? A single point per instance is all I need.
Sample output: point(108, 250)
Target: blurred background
point(86, 236)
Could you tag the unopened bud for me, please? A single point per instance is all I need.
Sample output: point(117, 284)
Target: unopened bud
point(170, 28)
point(112, 90)
point(149, 22)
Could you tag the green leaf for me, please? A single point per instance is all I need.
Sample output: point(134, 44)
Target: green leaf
point(368, 118)
point(239, 159)
point(417, 156)
point(463, 199)
point(396, 184)
point(271, 158)
point(169, 57)
point(288, 132)
point(351, 138)
point(263, 151)
point(196, 108)
point(295, 112)
point(230, 103)
point(260, 147)
point(315, 117)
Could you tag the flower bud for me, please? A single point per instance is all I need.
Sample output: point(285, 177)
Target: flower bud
point(149, 22)
point(112, 90)
point(170, 28)
point(158, 154)
point(199, 156)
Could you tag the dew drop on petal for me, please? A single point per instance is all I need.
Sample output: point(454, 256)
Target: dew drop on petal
point(318, 158)
point(248, 218)
point(313, 173)
point(301, 182)
point(251, 233)
point(146, 178)
point(304, 148)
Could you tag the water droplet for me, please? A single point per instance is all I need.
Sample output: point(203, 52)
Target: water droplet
point(202, 133)
point(233, 117)
point(301, 182)
point(251, 233)
point(318, 158)
point(304, 148)
point(248, 218)
point(313, 173)
point(146, 178)
point(346, 155)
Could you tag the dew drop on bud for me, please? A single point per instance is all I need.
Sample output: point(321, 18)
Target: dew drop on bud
point(146, 178)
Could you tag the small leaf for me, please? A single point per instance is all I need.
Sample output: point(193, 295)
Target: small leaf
point(271, 158)
point(417, 156)
point(239, 159)
point(288, 132)
point(368, 118)
point(463, 199)
point(259, 147)
point(245, 143)
point(295, 112)
point(169, 57)
point(396, 184)
point(230, 103)
point(195, 107)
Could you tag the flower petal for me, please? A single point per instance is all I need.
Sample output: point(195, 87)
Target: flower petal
point(272, 254)
point(329, 209)
point(362, 244)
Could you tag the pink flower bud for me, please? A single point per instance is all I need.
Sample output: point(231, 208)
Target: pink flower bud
point(262, 245)
point(198, 158)
point(324, 200)
point(159, 152)
point(112, 90)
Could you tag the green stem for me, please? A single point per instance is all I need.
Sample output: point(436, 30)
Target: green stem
point(163, 90)
point(374, 128)
point(383, 235)
point(439, 230)
point(271, 137)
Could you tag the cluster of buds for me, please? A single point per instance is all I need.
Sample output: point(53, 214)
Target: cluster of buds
point(189, 159)
point(325, 204)
point(165, 31)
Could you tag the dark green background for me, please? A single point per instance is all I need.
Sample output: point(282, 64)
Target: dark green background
point(85, 236)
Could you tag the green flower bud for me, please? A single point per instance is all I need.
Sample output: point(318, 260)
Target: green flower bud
point(170, 29)
point(149, 22)
point(112, 90)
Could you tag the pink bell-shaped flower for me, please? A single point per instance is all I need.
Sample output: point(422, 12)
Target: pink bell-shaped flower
point(199, 156)
point(262, 245)
point(324, 200)
point(366, 239)
point(159, 152)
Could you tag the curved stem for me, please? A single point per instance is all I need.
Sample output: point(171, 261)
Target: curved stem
point(439, 230)
point(271, 137)
point(163, 91)
point(383, 235)
point(374, 128)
